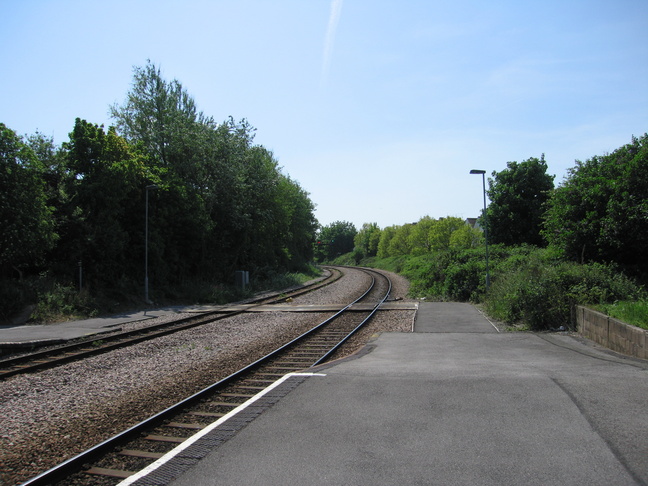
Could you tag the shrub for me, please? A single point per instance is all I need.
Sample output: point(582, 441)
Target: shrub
point(61, 302)
point(542, 293)
point(464, 281)
point(426, 275)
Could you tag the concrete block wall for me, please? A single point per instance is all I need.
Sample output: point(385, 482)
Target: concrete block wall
point(612, 333)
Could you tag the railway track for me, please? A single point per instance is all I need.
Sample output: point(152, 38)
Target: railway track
point(121, 456)
point(56, 356)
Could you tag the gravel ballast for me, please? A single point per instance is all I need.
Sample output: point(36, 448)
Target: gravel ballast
point(54, 414)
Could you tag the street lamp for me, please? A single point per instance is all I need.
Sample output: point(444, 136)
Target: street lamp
point(146, 279)
point(483, 174)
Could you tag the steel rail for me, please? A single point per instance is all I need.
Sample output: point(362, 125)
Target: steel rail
point(77, 350)
point(77, 462)
point(330, 353)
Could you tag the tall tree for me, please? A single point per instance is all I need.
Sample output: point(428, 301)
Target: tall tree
point(419, 238)
point(163, 117)
point(400, 244)
point(600, 212)
point(335, 239)
point(517, 195)
point(442, 230)
point(226, 205)
point(368, 238)
point(386, 237)
point(103, 182)
point(26, 222)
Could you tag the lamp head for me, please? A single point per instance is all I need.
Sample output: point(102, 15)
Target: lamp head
point(477, 171)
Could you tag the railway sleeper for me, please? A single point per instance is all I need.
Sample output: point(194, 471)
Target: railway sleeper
point(253, 382)
point(165, 438)
point(198, 413)
point(223, 404)
point(283, 368)
point(113, 473)
point(237, 395)
point(296, 366)
point(181, 425)
point(273, 375)
point(141, 454)
point(255, 387)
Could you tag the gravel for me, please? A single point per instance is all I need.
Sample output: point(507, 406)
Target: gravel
point(54, 414)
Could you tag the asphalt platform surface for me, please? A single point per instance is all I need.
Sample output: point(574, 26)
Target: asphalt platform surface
point(454, 403)
point(25, 336)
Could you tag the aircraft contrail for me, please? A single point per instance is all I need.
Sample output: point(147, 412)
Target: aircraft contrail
point(334, 17)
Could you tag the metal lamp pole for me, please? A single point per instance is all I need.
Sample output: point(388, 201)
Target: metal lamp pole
point(146, 279)
point(483, 174)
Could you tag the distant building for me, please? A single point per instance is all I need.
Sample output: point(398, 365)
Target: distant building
point(473, 223)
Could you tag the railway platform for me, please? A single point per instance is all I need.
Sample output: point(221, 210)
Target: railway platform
point(453, 403)
point(31, 336)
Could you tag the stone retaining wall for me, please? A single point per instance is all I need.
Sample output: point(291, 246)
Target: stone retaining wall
point(612, 333)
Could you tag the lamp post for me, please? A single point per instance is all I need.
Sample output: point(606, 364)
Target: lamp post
point(146, 279)
point(483, 174)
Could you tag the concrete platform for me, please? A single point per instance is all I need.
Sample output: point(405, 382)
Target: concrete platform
point(455, 403)
point(27, 336)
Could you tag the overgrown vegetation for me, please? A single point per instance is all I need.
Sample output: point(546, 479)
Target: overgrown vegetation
point(531, 288)
point(74, 217)
point(73, 222)
point(581, 243)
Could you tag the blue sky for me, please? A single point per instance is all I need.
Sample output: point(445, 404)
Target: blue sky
point(379, 109)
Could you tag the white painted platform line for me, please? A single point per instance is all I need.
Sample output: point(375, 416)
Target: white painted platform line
point(491, 322)
point(414, 316)
point(171, 454)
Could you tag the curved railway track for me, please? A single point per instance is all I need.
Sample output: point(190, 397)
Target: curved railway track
point(134, 449)
point(56, 356)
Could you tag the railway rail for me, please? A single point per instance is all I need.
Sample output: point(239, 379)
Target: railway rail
point(132, 450)
point(58, 355)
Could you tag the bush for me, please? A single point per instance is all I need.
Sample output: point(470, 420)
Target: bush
point(529, 286)
point(58, 302)
point(465, 281)
point(542, 293)
point(426, 274)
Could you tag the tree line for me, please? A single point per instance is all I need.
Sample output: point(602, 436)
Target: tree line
point(598, 214)
point(217, 201)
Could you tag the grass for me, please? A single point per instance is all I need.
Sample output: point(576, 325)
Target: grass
point(634, 313)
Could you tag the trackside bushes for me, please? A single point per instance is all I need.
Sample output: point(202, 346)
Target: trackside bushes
point(530, 286)
point(540, 294)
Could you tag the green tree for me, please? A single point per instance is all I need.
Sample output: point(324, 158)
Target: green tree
point(163, 117)
point(517, 195)
point(419, 237)
point(102, 184)
point(226, 205)
point(334, 240)
point(400, 243)
point(384, 245)
point(299, 227)
point(367, 239)
point(600, 212)
point(25, 218)
point(465, 238)
point(440, 233)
